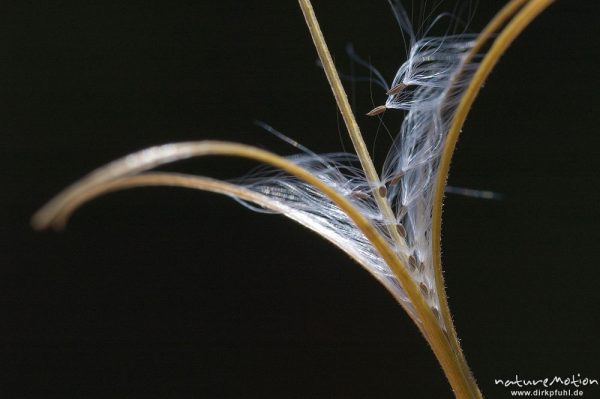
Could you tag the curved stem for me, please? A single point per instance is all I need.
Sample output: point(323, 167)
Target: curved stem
point(499, 19)
point(155, 156)
point(59, 220)
point(506, 37)
point(508, 11)
point(154, 179)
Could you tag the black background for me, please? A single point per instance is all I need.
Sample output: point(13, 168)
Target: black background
point(174, 293)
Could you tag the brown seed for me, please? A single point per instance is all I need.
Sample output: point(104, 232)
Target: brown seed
point(401, 230)
point(377, 110)
point(382, 191)
point(436, 312)
point(396, 179)
point(359, 195)
point(421, 267)
point(396, 89)
point(424, 289)
point(412, 262)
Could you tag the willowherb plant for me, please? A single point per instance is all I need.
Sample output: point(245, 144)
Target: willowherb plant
point(390, 222)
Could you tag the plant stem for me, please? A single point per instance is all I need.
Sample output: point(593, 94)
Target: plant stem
point(344, 106)
point(59, 219)
point(509, 10)
point(118, 175)
point(452, 361)
point(446, 349)
point(503, 41)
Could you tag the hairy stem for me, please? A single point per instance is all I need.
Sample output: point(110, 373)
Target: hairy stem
point(501, 44)
point(507, 12)
point(492, 27)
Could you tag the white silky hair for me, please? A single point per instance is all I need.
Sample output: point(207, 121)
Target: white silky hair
point(432, 79)
point(427, 87)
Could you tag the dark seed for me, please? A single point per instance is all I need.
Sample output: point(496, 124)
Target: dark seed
point(412, 262)
point(377, 110)
point(424, 289)
point(401, 230)
point(396, 89)
point(436, 312)
point(359, 194)
point(396, 179)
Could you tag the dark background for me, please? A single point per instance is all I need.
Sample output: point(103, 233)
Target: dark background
point(173, 293)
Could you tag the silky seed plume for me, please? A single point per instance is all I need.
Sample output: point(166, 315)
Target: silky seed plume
point(383, 221)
